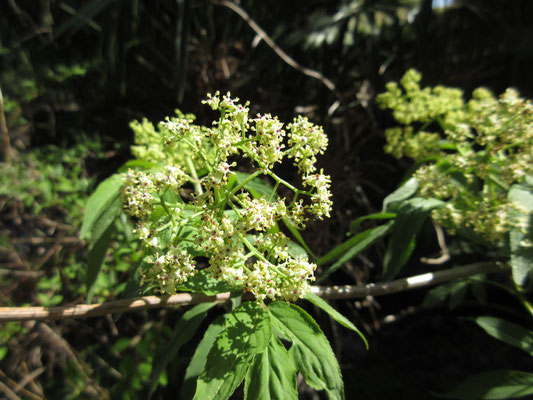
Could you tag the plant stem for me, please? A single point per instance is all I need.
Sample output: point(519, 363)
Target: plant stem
point(196, 181)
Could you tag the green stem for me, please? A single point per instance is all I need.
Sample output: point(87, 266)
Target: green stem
point(195, 180)
point(200, 153)
point(248, 179)
point(273, 191)
point(164, 205)
point(252, 248)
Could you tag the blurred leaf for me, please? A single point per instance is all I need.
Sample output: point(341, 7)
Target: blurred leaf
point(404, 192)
point(138, 164)
point(499, 384)
point(521, 242)
point(454, 291)
point(508, 332)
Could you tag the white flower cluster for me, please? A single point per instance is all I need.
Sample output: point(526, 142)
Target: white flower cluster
point(219, 220)
point(170, 269)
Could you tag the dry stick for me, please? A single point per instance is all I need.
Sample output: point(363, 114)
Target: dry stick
point(4, 134)
point(184, 299)
point(284, 56)
point(413, 282)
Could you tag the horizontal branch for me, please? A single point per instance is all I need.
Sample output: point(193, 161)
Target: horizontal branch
point(183, 299)
point(413, 282)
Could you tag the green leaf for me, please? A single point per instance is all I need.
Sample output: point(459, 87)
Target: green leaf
point(455, 291)
point(247, 332)
point(96, 258)
point(272, 374)
point(99, 201)
point(405, 191)
point(183, 332)
point(310, 348)
point(498, 384)
point(138, 164)
point(199, 359)
point(298, 237)
point(508, 332)
point(411, 215)
point(337, 316)
point(203, 283)
point(350, 243)
point(521, 253)
point(377, 216)
point(106, 219)
point(352, 247)
point(257, 187)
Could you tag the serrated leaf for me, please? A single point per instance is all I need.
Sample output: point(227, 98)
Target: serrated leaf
point(183, 332)
point(411, 215)
point(337, 316)
point(498, 384)
point(508, 332)
point(405, 191)
point(99, 201)
point(352, 247)
point(310, 348)
point(272, 374)
point(247, 332)
point(197, 364)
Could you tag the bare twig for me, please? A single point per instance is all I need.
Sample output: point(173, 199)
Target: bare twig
point(46, 240)
point(19, 387)
point(413, 282)
point(8, 392)
point(332, 292)
point(444, 252)
point(56, 341)
point(4, 134)
point(284, 56)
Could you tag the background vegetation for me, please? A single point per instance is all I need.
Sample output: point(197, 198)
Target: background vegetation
point(73, 74)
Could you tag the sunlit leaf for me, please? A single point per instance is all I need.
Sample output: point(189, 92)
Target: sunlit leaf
point(310, 348)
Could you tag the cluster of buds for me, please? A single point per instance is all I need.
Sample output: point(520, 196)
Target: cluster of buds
point(196, 204)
